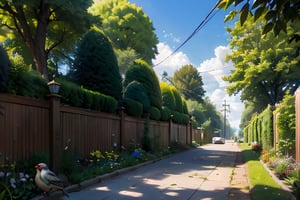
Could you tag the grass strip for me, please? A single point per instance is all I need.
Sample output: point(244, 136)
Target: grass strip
point(263, 186)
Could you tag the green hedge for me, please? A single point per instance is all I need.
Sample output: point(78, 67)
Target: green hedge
point(155, 113)
point(74, 95)
point(260, 129)
point(28, 83)
point(133, 108)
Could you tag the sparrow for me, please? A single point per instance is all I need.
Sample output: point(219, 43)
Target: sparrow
point(46, 180)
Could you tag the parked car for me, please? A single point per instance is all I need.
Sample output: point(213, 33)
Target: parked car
point(218, 140)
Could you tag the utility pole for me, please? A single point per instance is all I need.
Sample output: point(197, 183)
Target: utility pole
point(226, 108)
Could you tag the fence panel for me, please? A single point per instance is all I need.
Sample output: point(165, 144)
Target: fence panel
point(24, 127)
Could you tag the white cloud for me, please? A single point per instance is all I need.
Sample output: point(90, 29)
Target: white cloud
point(171, 37)
point(212, 71)
point(172, 63)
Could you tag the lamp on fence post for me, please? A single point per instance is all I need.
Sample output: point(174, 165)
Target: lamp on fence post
point(53, 87)
point(55, 144)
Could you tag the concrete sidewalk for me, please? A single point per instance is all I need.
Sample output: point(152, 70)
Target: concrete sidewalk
point(210, 172)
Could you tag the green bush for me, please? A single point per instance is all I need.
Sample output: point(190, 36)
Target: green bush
point(155, 113)
point(28, 83)
point(74, 95)
point(95, 65)
point(165, 113)
point(133, 108)
point(143, 73)
point(137, 92)
point(185, 119)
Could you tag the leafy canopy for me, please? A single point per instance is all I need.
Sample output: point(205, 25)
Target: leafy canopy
point(188, 82)
point(42, 27)
point(265, 67)
point(276, 13)
point(128, 27)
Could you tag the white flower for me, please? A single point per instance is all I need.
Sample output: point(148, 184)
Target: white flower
point(23, 179)
point(13, 183)
point(2, 174)
point(21, 175)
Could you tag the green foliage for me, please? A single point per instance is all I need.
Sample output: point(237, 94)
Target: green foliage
point(26, 82)
point(155, 113)
point(277, 13)
point(144, 74)
point(40, 30)
point(165, 113)
point(285, 121)
point(74, 95)
point(137, 92)
point(95, 66)
point(286, 124)
point(168, 99)
point(266, 68)
point(133, 108)
point(16, 180)
point(128, 27)
point(173, 104)
point(178, 100)
point(188, 81)
point(259, 178)
point(5, 67)
point(260, 129)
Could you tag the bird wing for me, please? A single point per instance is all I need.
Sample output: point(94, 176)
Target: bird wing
point(48, 177)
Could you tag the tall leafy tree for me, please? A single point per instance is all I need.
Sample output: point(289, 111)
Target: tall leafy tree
point(95, 66)
point(265, 67)
point(128, 27)
point(143, 73)
point(39, 26)
point(189, 82)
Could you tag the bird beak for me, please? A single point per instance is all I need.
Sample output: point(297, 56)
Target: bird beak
point(37, 166)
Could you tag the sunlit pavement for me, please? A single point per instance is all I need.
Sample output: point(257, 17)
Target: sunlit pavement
point(202, 173)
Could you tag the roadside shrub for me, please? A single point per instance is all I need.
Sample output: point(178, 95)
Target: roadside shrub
point(133, 108)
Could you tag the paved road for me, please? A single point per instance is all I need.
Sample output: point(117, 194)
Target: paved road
point(202, 173)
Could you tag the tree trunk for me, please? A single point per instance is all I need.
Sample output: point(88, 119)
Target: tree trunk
point(35, 40)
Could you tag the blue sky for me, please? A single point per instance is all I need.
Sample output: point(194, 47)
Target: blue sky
point(174, 21)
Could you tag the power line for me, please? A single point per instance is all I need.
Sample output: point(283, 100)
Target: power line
point(199, 27)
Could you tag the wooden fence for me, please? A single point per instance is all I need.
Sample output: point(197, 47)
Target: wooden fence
point(29, 126)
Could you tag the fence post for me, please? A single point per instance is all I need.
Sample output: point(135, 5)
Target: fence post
point(54, 132)
point(297, 112)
